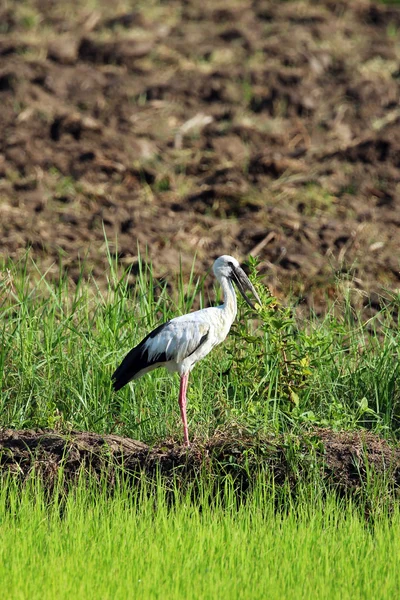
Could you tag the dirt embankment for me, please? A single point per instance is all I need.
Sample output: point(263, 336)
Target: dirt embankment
point(261, 127)
point(347, 462)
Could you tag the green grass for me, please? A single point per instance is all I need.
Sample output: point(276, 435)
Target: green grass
point(275, 372)
point(90, 545)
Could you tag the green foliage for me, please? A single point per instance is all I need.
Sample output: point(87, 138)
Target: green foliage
point(331, 371)
point(277, 346)
point(60, 343)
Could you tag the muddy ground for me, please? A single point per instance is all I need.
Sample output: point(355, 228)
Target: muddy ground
point(262, 127)
point(347, 462)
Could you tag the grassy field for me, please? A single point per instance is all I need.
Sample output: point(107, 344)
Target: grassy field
point(276, 373)
point(128, 546)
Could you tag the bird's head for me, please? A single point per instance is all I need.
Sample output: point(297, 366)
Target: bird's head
point(227, 266)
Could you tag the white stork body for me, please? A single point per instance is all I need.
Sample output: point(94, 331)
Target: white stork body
point(180, 343)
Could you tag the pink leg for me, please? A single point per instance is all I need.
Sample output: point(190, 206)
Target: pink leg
point(182, 406)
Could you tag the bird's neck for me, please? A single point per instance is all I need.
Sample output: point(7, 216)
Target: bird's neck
point(230, 302)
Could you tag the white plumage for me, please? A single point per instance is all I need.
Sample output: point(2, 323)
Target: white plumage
point(180, 343)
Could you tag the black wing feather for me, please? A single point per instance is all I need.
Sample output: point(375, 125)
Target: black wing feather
point(136, 360)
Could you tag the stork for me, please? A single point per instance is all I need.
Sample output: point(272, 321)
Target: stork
point(181, 342)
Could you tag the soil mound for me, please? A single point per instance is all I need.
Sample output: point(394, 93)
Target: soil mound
point(347, 461)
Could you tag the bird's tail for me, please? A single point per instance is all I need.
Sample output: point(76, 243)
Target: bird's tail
point(127, 370)
point(138, 361)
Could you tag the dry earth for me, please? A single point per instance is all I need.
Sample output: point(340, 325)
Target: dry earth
point(260, 127)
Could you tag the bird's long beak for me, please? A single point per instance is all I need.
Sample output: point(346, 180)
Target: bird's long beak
point(243, 283)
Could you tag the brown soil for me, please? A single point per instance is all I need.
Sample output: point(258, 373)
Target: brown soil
point(260, 127)
point(345, 460)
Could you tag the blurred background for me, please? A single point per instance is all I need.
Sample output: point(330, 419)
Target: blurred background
point(195, 129)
